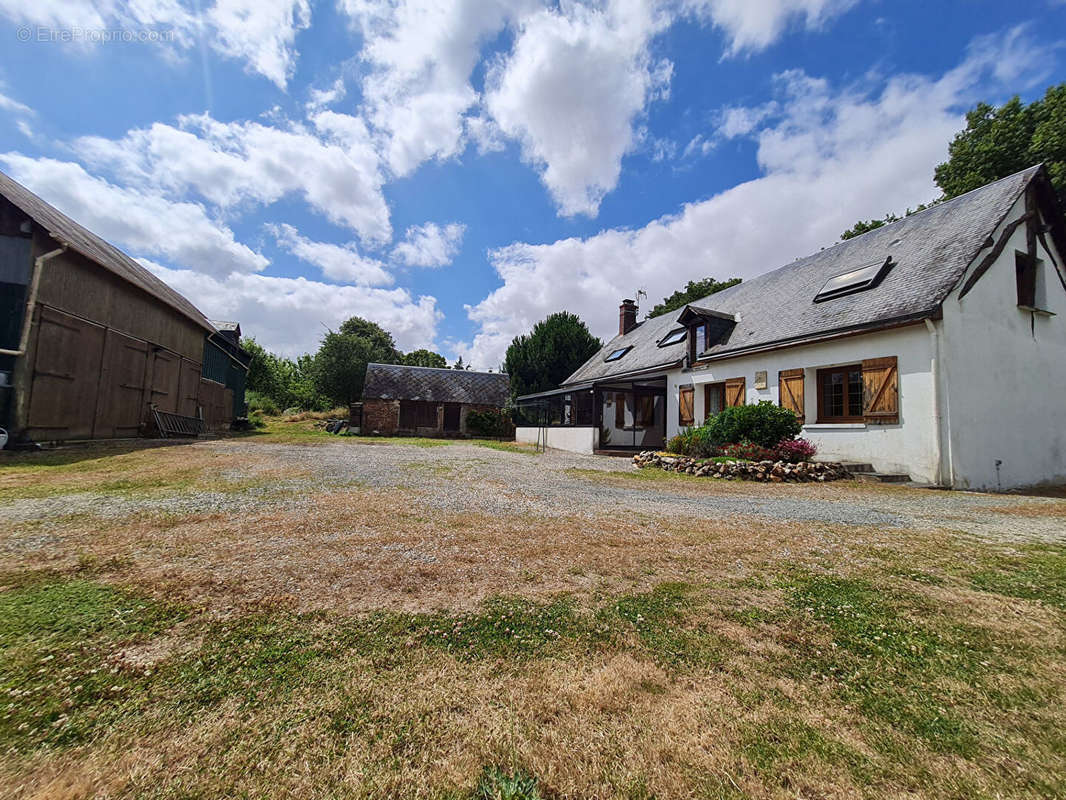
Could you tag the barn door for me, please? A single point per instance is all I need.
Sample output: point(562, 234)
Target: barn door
point(166, 379)
point(189, 388)
point(119, 406)
point(66, 375)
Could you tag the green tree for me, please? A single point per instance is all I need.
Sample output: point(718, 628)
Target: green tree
point(998, 142)
point(381, 342)
point(460, 365)
point(694, 290)
point(424, 358)
point(340, 367)
point(545, 357)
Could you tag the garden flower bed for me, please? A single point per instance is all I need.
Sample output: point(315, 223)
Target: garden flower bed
point(766, 471)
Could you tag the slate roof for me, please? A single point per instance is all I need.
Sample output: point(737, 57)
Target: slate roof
point(930, 250)
point(399, 382)
point(76, 237)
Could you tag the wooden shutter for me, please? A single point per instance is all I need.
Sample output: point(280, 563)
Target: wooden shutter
point(790, 391)
point(619, 410)
point(687, 412)
point(880, 395)
point(734, 392)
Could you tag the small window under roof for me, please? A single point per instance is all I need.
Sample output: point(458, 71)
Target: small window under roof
point(857, 280)
point(614, 355)
point(674, 337)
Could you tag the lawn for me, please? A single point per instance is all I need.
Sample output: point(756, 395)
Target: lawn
point(293, 614)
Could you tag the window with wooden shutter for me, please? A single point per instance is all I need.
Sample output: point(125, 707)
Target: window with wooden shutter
point(880, 380)
point(735, 392)
point(790, 391)
point(686, 409)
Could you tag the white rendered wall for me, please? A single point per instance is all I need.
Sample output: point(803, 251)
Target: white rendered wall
point(908, 447)
point(577, 440)
point(1004, 372)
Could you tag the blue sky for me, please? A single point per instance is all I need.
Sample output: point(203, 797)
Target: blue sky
point(458, 169)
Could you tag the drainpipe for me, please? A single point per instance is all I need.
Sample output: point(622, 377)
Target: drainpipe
point(934, 370)
point(31, 301)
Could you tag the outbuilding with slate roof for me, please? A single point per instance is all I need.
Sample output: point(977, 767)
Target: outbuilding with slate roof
point(931, 348)
point(428, 401)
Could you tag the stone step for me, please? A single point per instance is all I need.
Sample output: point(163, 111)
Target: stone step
point(882, 477)
point(855, 466)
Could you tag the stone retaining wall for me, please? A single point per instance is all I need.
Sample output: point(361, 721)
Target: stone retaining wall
point(766, 471)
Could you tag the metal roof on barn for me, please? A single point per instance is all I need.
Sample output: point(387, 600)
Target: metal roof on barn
point(434, 384)
point(66, 231)
point(930, 251)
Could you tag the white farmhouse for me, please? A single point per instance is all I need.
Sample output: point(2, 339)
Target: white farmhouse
point(933, 347)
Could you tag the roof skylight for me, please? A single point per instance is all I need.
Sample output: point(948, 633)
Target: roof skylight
point(674, 337)
point(857, 280)
point(614, 355)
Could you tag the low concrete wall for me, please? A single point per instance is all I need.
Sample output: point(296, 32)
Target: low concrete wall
point(576, 440)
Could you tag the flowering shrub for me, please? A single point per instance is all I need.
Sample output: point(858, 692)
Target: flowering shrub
point(695, 442)
point(795, 450)
point(748, 451)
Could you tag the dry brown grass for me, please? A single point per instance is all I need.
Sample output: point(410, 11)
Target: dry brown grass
point(611, 718)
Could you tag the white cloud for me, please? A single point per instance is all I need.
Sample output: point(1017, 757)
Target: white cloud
point(570, 93)
point(141, 222)
point(828, 158)
point(261, 33)
point(429, 245)
point(321, 98)
point(335, 169)
point(13, 106)
point(421, 54)
point(753, 25)
point(338, 262)
point(289, 315)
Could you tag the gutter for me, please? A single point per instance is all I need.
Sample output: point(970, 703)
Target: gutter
point(31, 300)
point(934, 373)
point(230, 355)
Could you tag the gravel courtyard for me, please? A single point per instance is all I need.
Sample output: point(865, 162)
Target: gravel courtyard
point(296, 614)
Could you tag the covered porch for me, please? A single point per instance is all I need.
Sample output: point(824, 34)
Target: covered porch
point(611, 417)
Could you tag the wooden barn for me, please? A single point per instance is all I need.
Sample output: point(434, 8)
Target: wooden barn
point(92, 344)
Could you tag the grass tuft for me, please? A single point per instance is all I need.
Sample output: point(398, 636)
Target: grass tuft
point(497, 784)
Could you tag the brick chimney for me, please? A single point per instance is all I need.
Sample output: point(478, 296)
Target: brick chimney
point(627, 317)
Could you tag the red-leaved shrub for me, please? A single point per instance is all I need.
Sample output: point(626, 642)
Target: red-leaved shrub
point(795, 450)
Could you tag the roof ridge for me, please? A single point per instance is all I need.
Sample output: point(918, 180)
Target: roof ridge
point(439, 369)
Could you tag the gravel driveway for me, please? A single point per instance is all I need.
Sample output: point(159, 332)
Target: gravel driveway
point(470, 478)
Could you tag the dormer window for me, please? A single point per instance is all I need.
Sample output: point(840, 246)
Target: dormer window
point(706, 328)
point(614, 355)
point(857, 280)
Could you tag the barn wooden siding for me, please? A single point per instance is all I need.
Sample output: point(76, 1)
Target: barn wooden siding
point(101, 351)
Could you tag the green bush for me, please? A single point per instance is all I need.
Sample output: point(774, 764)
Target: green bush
point(262, 404)
point(694, 442)
point(764, 424)
point(495, 424)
